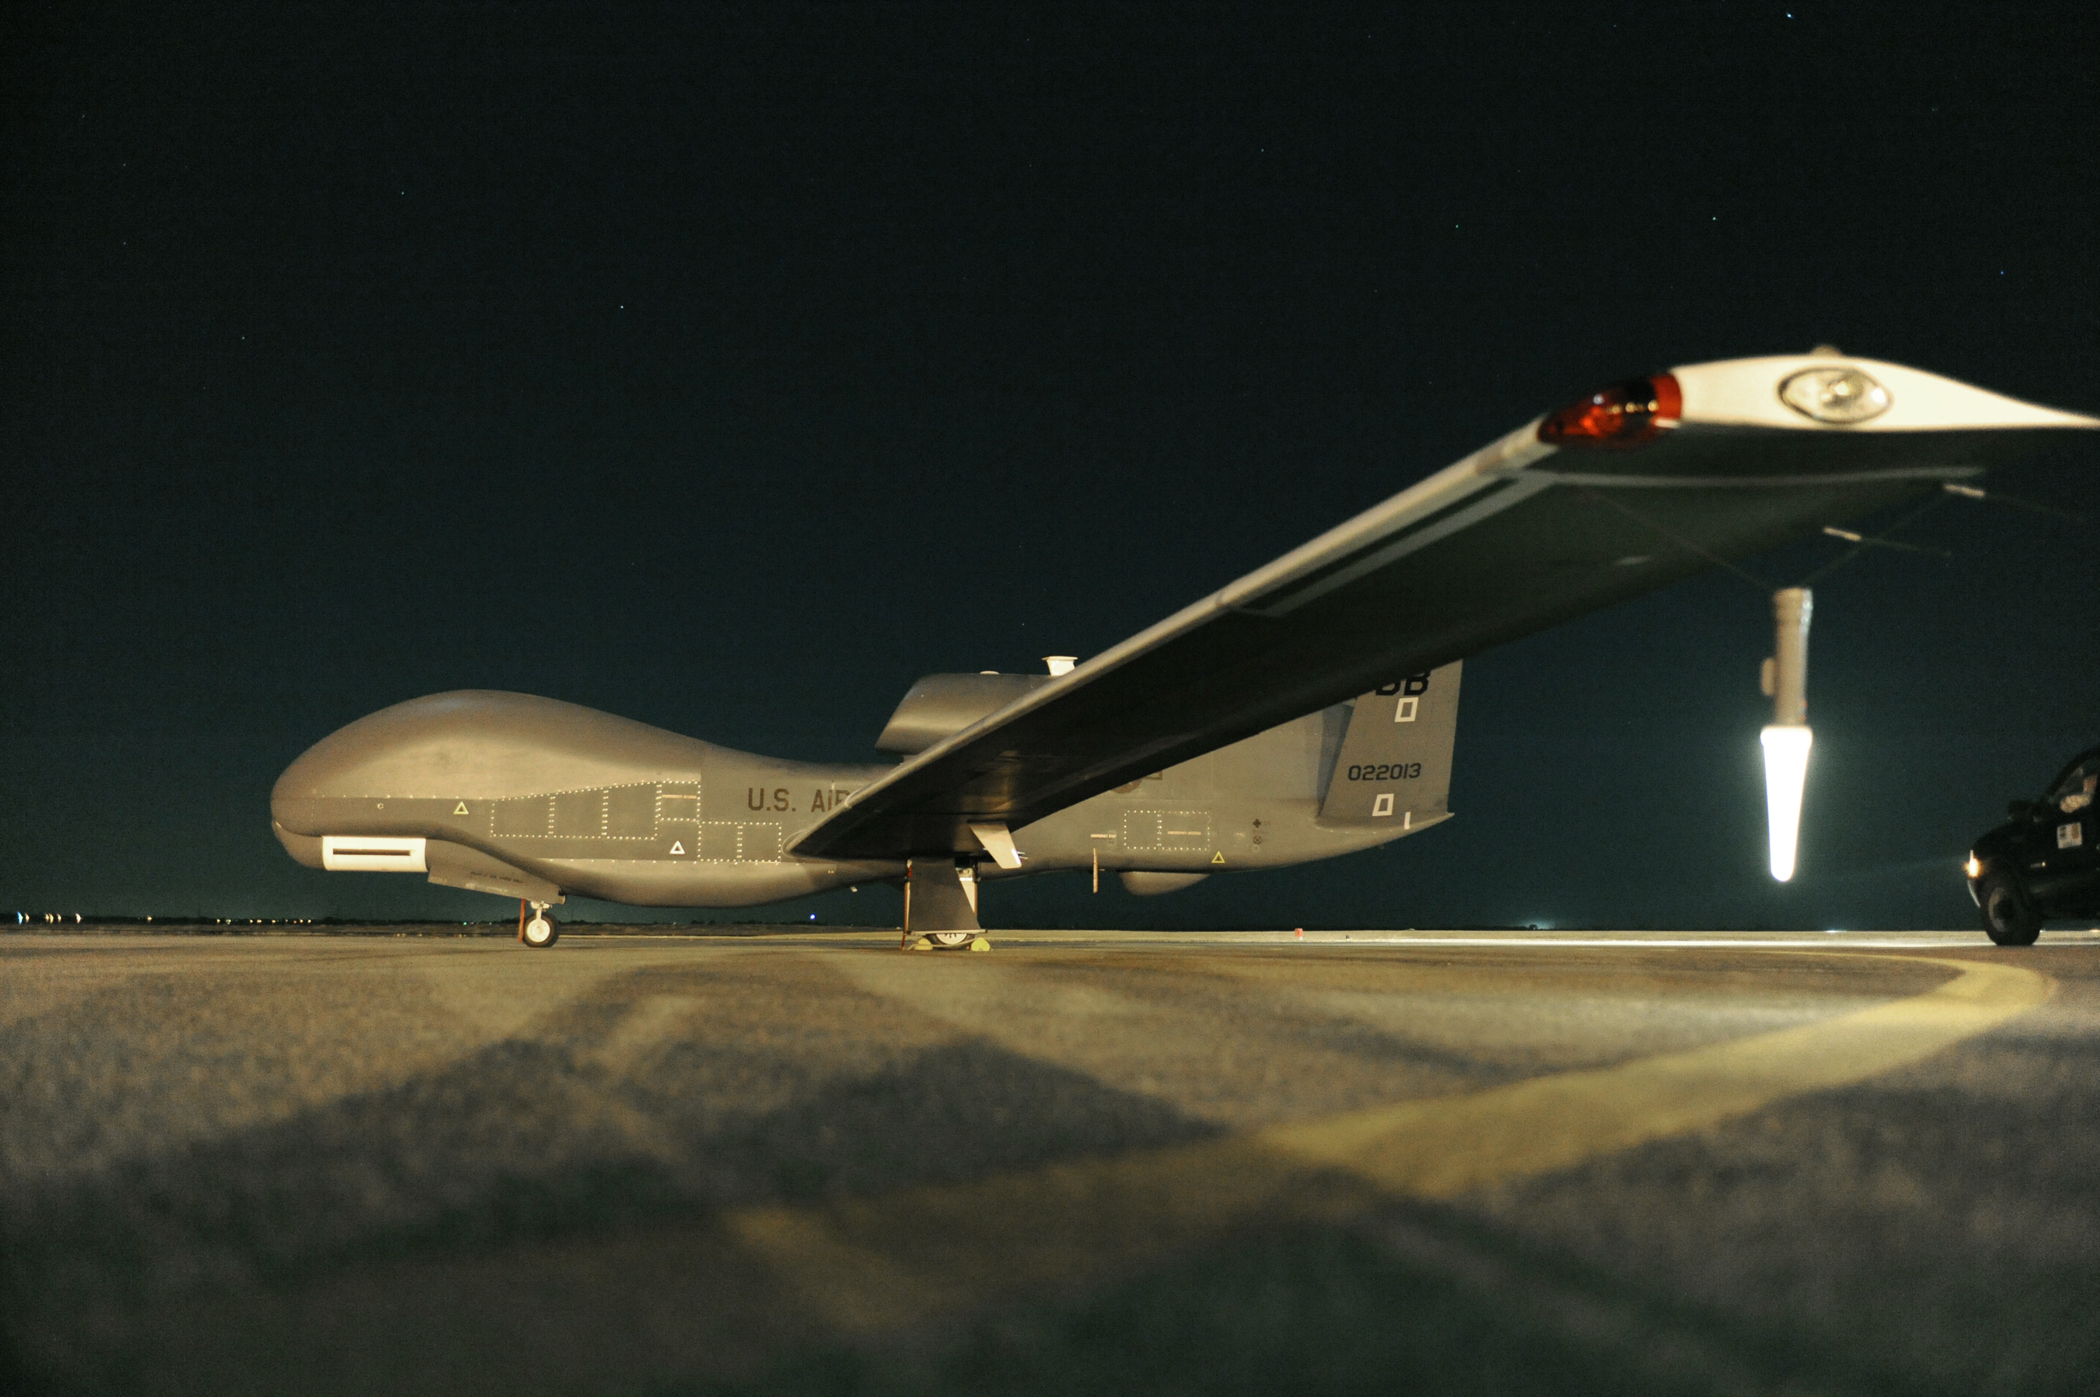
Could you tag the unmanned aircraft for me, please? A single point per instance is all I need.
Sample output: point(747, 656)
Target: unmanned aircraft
point(1305, 711)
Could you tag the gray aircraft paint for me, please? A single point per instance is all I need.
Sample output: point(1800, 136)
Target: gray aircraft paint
point(1209, 742)
point(530, 797)
point(942, 705)
point(1395, 763)
point(582, 800)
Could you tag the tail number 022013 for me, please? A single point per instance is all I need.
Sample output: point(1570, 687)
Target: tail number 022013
point(1395, 771)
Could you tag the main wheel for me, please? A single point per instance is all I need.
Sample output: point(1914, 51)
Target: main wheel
point(2008, 917)
point(950, 940)
point(540, 932)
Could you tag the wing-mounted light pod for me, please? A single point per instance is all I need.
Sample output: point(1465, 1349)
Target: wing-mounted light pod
point(1620, 417)
point(1787, 740)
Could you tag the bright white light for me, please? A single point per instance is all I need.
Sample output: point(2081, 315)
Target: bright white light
point(1786, 771)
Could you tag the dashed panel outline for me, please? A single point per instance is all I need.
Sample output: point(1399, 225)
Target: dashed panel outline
point(605, 811)
point(736, 841)
point(746, 850)
point(656, 800)
point(603, 796)
point(1171, 839)
point(497, 805)
point(747, 854)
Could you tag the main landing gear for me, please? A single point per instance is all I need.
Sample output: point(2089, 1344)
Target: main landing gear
point(940, 906)
point(948, 941)
point(540, 932)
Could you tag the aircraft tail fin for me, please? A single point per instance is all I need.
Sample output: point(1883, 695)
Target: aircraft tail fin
point(1394, 766)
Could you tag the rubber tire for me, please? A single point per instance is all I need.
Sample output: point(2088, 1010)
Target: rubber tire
point(2009, 919)
point(541, 932)
point(950, 940)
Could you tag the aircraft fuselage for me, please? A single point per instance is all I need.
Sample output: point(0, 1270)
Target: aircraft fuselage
point(509, 792)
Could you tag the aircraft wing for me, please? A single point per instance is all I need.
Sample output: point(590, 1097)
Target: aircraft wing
point(1621, 492)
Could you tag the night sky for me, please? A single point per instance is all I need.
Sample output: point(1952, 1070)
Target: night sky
point(729, 368)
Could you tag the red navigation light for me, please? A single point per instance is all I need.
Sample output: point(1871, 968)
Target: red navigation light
point(1632, 413)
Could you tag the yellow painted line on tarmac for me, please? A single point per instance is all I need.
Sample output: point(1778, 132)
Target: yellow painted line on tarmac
point(1446, 1146)
point(876, 1263)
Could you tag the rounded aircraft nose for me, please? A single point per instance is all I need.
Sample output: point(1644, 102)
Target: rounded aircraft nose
point(410, 749)
point(471, 744)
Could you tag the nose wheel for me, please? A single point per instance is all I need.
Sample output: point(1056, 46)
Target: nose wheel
point(540, 932)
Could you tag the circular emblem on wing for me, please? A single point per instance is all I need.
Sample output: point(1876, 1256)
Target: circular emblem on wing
point(1835, 395)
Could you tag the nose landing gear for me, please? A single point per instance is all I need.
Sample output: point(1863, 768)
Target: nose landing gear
point(540, 932)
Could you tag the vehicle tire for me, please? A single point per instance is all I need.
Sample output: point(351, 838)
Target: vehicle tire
point(950, 940)
point(540, 932)
point(2009, 919)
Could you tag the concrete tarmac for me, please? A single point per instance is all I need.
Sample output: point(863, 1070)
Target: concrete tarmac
point(1356, 1162)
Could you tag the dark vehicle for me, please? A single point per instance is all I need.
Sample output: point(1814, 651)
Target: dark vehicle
point(2041, 863)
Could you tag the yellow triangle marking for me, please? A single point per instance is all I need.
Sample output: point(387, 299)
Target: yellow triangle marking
point(1217, 858)
point(460, 809)
point(677, 846)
